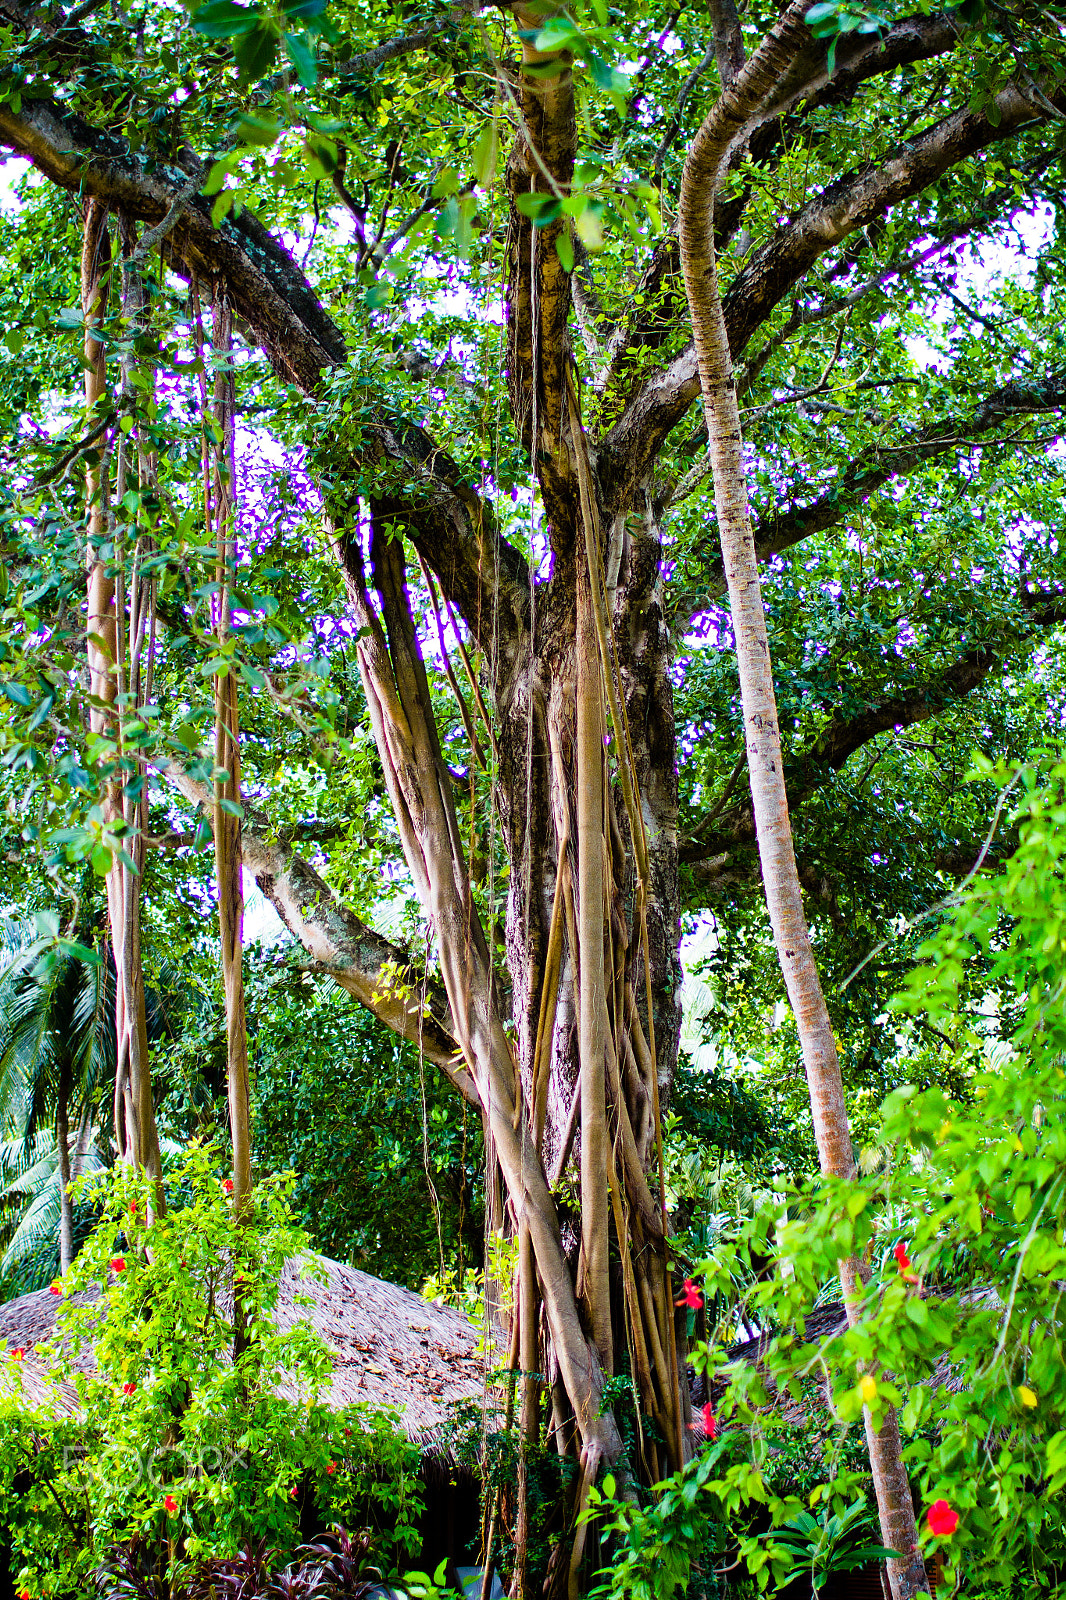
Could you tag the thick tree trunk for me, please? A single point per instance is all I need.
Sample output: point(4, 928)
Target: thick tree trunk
point(575, 1096)
point(756, 85)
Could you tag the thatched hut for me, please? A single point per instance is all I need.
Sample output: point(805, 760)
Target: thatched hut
point(391, 1350)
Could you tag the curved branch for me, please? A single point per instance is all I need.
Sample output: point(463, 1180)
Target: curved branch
point(878, 465)
point(715, 840)
point(655, 314)
point(267, 289)
point(365, 963)
point(840, 210)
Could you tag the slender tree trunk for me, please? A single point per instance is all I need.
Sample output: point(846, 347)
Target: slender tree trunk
point(66, 1204)
point(114, 651)
point(733, 116)
point(592, 1000)
point(227, 788)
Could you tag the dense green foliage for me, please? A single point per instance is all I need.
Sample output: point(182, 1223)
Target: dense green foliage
point(387, 1165)
point(961, 1215)
point(174, 1442)
point(902, 407)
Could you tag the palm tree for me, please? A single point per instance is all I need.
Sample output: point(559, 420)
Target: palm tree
point(56, 1065)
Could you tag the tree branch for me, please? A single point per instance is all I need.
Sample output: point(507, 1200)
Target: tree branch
point(876, 466)
point(840, 210)
point(267, 289)
point(879, 463)
point(366, 964)
point(483, 576)
point(713, 843)
point(538, 285)
point(657, 308)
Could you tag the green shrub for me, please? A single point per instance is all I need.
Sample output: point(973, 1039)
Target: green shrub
point(175, 1441)
point(960, 1211)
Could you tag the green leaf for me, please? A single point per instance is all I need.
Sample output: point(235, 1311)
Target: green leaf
point(303, 59)
point(18, 693)
point(42, 713)
point(80, 952)
point(324, 153)
point(258, 130)
point(222, 206)
point(605, 77)
point(558, 33)
point(231, 807)
point(564, 249)
point(589, 225)
point(223, 19)
point(539, 208)
point(485, 154)
point(220, 171)
point(101, 861)
point(256, 51)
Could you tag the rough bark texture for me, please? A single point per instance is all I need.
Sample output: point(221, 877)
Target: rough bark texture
point(740, 107)
point(220, 491)
point(112, 651)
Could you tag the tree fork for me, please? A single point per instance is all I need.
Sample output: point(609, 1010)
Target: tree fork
point(731, 119)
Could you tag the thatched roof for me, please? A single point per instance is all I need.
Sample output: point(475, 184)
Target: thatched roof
point(390, 1348)
point(820, 1325)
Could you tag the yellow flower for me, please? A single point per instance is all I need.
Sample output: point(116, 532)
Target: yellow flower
point(868, 1388)
point(1027, 1397)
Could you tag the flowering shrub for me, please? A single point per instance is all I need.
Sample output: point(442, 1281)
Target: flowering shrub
point(175, 1444)
point(961, 1211)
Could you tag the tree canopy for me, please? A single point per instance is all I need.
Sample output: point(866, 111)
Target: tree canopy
point(357, 516)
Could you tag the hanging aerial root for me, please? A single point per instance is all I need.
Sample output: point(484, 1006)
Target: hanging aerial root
point(453, 682)
point(549, 1000)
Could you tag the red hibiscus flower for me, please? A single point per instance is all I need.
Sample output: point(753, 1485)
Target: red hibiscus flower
point(227, 1184)
point(25, 1595)
point(129, 1388)
point(941, 1519)
point(18, 1353)
point(710, 1422)
point(690, 1296)
point(55, 1288)
point(332, 1467)
point(133, 1208)
point(117, 1263)
point(170, 1505)
point(903, 1260)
